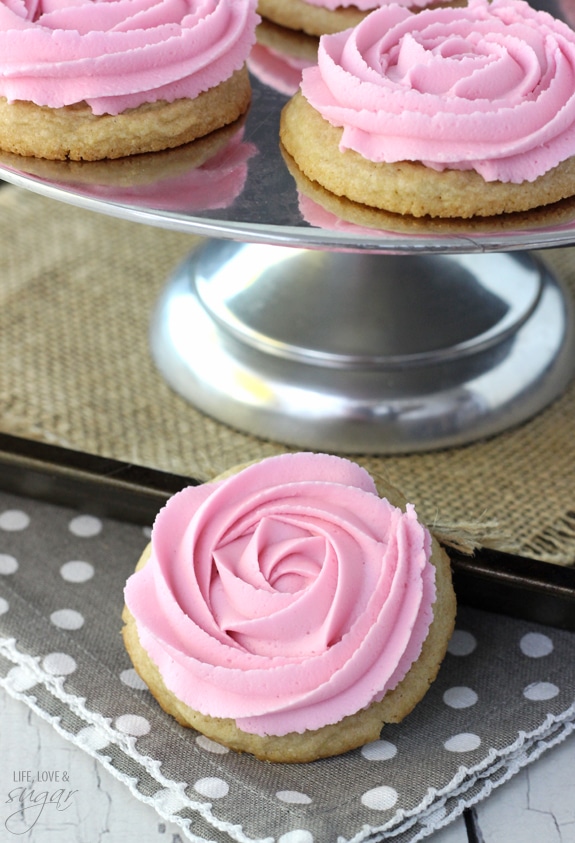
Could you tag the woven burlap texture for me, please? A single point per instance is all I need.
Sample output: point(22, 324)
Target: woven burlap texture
point(77, 289)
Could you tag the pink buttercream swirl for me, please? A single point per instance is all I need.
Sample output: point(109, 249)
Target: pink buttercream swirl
point(284, 597)
point(118, 54)
point(489, 87)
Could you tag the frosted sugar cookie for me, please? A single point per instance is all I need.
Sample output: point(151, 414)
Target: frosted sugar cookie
point(88, 81)
point(208, 173)
point(451, 112)
point(289, 611)
point(323, 209)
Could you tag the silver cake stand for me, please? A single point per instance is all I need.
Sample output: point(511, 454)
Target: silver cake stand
point(334, 335)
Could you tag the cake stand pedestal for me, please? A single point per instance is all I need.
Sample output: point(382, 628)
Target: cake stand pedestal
point(363, 352)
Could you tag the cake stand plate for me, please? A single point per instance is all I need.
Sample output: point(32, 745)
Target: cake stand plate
point(296, 322)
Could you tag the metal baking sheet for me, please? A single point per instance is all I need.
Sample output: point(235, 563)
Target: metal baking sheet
point(499, 582)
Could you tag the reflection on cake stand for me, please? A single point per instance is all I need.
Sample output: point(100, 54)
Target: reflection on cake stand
point(296, 322)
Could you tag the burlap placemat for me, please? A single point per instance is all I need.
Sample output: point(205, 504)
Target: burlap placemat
point(76, 293)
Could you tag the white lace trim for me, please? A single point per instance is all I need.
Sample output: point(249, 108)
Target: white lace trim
point(127, 743)
point(431, 814)
point(506, 762)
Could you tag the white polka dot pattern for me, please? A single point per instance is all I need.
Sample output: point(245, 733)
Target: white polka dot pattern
point(500, 677)
point(535, 645)
point(380, 798)
point(85, 526)
point(465, 742)
point(379, 751)
point(169, 800)
point(77, 571)
point(462, 643)
point(21, 678)
point(212, 787)
point(130, 678)
point(298, 835)
point(67, 619)
point(92, 738)
point(14, 520)
point(211, 746)
point(133, 724)
point(293, 797)
point(541, 691)
point(460, 697)
point(8, 565)
point(59, 664)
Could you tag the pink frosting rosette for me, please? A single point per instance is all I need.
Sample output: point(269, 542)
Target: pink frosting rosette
point(118, 54)
point(489, 87)
point(286, 596)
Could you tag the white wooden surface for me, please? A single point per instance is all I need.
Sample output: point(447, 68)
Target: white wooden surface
point(536, 806)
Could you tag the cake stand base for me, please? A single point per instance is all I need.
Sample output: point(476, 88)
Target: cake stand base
point(361, 352)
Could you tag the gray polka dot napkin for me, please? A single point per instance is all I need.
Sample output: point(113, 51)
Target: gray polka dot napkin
point(505, 692)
